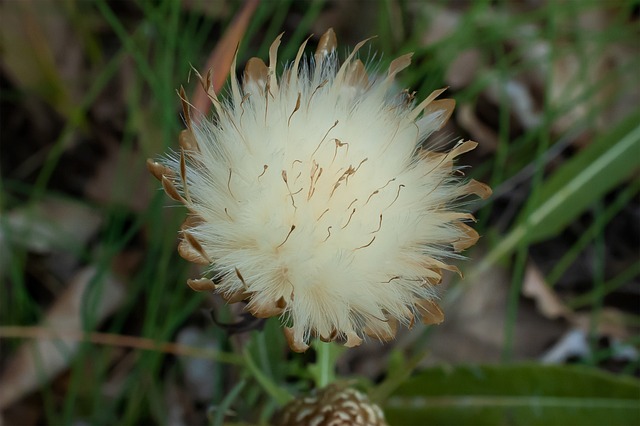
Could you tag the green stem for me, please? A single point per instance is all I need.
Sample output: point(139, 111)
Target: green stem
point(325, 363)
point(275, 391)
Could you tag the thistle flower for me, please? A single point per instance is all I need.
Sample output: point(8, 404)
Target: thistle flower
point(310, 197)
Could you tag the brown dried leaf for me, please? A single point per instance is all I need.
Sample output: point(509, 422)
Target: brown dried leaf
point(222, 57)
point(547, 301)
point(38, 361)
point(50, 224)
point(469, 121)
point(475, 323)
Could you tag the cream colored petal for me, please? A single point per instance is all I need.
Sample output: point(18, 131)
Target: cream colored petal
point(398, 65)
point(236, 296)
point(191, 221)
point(183, 176)
point(201, 284)
point(296, 63)
point(235, 89)
point(430, 311)
point(330, 337)
point(185, 107)
point(434, 279)
point(454, 216)
point(343, 69)
point(356, 74)
point(462, 148)
point(383, 331)
point(437, 264)
point(417, 110)
point(327, 44)
point(187, 141)
point(264, 309)
point(207, 86)
point(480, 189)
point(296, 345)
point(195, 244)
point(171, 190)
point(256, 72)
point(471, 237)
point(353, 339)
point(190, 254)
point(158, 170)
point(273, 62)
point(445, 106)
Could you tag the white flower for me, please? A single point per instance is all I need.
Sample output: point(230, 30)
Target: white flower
point(310, 197)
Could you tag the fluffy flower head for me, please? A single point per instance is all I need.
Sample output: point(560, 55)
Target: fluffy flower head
point(310, 197)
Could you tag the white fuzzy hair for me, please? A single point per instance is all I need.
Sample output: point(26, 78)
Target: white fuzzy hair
point(310, 190)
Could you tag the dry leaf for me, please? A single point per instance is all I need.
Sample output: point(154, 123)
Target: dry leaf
point(547, 300)
point(223, 55)
point(51, 224)
point(478, 130)
point(38, 361)
point(473, 330)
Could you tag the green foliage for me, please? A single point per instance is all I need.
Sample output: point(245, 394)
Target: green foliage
point(528, 394)
point(577, 185)
point(585, 178)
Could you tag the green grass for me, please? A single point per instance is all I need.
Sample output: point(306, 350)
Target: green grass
point(162, 45)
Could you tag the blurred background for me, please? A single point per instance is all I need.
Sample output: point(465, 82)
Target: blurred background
point(97, 325)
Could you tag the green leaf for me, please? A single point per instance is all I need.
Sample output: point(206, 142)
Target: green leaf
point(575, 186)
point(527, 394)
point(399, 370)
point(583, 180)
